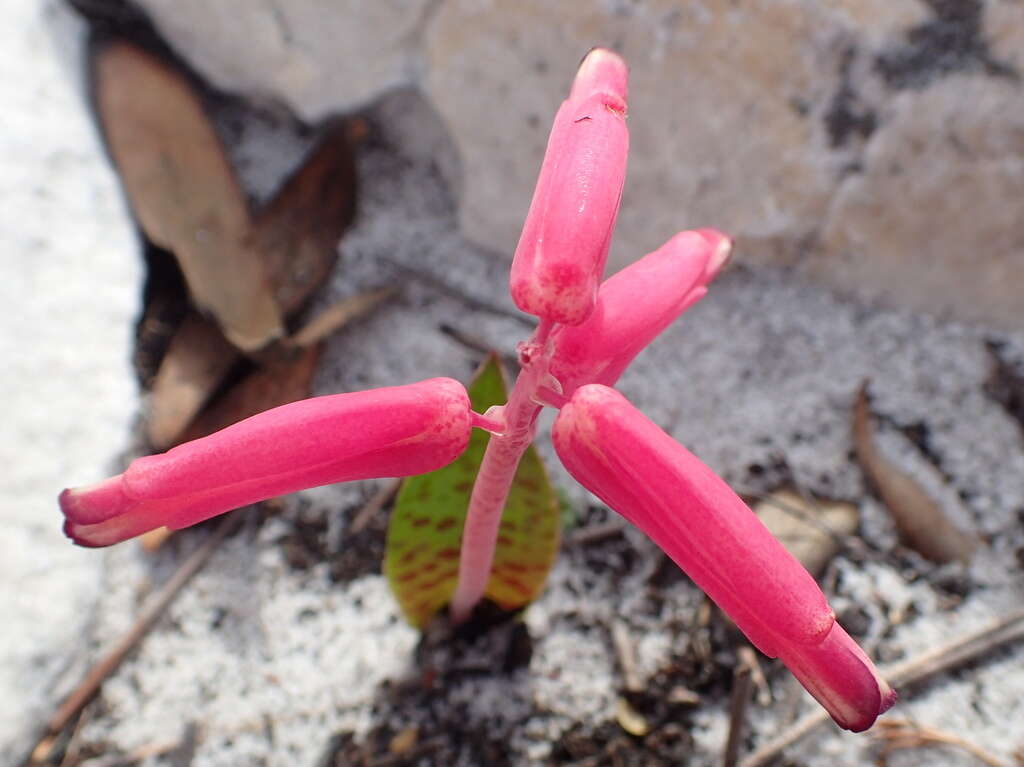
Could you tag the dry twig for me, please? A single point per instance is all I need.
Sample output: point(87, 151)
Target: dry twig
point(377, 502)
point(151, 611)
point(588, 534)
point(625, 651)
point(477, 344)
point(338, 315)
point(973, 645)
point(899, 734)
point(742, 682)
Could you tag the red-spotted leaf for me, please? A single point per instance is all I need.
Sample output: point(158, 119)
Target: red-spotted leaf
point(422, 557)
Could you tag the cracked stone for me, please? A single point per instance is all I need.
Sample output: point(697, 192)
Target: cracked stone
point(933, 220)
point(314, 56)
point(751, 117)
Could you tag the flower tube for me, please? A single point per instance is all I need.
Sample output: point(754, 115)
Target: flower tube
point(614, 451)
point(389, 432)
point(562, 251)
point(634, 306)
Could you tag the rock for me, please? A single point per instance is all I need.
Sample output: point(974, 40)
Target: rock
point(69, 293)
point(754, 117)
point(725, 124)
point(934, 218)
point(758, 121)
point(1004, 31)
point(315, 56)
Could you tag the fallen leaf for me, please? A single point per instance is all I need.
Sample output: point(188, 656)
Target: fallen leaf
point(920, 520)
point(811, 531)
point(197, 360)
point(296, 237)
point(266, 387)
point(165, 304)
point(297, 233)
point(183, 190)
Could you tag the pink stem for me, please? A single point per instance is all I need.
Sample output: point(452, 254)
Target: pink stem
point(498, 468)
point(486, 422)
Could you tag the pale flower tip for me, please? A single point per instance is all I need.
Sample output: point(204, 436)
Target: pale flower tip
point(889, 699)
point(71, 531)
point(91, 504)
point(392, 432)
point(137, 521)
point(721, 251)
point(842, 678)
point(602, 72)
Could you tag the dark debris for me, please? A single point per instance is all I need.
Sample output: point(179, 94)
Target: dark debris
point(949, 42)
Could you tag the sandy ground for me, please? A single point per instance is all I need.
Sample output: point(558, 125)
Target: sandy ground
point(286, 653)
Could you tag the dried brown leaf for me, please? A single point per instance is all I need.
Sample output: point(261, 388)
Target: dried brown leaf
point(166, 304)
point(183, 190)
point(296, 237)
point(274, 384)
point(297, 233)
point(196, 362)
point(811, 531)
point(920, 520)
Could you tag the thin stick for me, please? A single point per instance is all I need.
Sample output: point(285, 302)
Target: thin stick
point(898, 734)
point(477, 344)
point(473, 302)
point(742, 682)
point(152, 610)
point(764, 690)
point(588, 534)
point(338, 315)
point(972, 645)
point(377, 502)
point(626, 653)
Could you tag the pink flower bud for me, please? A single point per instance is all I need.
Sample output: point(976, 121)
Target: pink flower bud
point(634, 306)
point(391, 432)
point(564, 245)
point(842, 678)
point(614, 451)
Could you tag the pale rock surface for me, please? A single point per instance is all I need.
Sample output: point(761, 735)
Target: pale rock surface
point(757, 118)
point(1004, 31)
point(69, 292)
point(718, 132)
point(760, 120)
point(316, 56)
point(934, 218)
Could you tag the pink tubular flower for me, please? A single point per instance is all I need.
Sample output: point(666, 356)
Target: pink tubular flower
point(613, 450)
point(634, 306)
point(564, 245)
point(587, 336)
point(390, 432)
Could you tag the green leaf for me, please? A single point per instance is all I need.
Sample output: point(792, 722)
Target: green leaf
point(422, 557)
